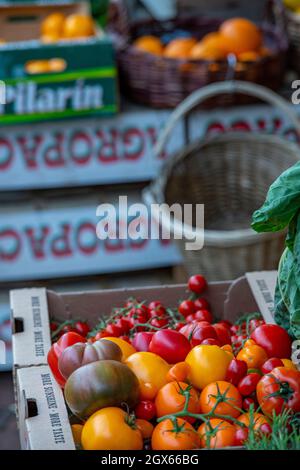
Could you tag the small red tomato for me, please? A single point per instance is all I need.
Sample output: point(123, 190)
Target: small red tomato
point(82, 328)
point(101, 334)
point(265, 428)
point(201, 304)
point(247, 385)
point(142, 340)
point(270, 364)
point(223, 334)
point(171, 345)
point(145, 410)
point(124, 323)
point(203, 330)
point(69, 329)
point(197, 284)
point(190, 318)
point(248, 402)
point(113, 330)
point(178, 326)
point(241, 436)
point(274, 340)
point(236, 371)
point(186, 308)
point(203, 315)
point(125, 338)
point(211, 342)
point(154, 304)
point(159, 322)
point(53, 326)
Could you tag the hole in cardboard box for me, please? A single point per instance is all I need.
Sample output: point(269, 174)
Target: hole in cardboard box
point(22, 19)
point(18, 325)
point(32, 409)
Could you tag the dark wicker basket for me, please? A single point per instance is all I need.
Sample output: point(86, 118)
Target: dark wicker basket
point(160, 82)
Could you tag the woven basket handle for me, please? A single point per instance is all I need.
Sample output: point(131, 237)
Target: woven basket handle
point(214, 89)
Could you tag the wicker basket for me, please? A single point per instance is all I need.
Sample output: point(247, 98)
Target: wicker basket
point(230, 174)
point(293, 29)
point(161, 82)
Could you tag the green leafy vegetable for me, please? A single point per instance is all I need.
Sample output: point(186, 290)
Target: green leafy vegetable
point(282, 210)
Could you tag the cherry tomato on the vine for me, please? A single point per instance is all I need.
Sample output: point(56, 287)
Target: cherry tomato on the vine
point(146, 409)
point(201, 304)
point(197, 284)
point(248, 384)
point(186, 308)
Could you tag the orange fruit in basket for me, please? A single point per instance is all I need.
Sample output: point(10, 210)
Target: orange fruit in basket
point(205, 51)
point(50, 38)
point(150, 44)
point(53, 24)
point(250, 56)
point(35, 67)
point(179, 48)
point(78, 26)
point(240, 35)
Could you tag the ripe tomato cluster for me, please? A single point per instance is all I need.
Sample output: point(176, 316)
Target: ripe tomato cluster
point(194, 383)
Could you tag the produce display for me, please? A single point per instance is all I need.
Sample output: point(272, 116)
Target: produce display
point(154, 377)
point(57, 26)
point(237, 36)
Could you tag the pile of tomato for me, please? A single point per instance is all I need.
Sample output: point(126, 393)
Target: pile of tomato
point(171, 379)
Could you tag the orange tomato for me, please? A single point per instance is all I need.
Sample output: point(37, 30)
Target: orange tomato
point(126, 348)
point(231, 399)
point(177, 435)
point(288, 364)
point(179, 372)
point(53, 24)
point(259, 419)
point(150, 44)
point(172, 397)
point(216, 434)
point(77, 433)
point(151, 371)
point(111, 429)
point(253, 354)
point(78, 26)
point(145, 428)
point(179, 48)
point(240, 35)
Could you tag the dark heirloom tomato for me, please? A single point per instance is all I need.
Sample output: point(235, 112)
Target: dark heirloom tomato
point(99, 385)
point(274, 340)
point(80, 354)
point(278, 390)
point(66, 340)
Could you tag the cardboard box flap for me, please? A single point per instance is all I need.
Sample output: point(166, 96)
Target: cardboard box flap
point(239, 300)
point(42, 414)
point(30, 323)
point(262, 285)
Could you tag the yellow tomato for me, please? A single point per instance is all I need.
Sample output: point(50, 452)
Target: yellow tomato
point(151, 371)
point(53, 24)
point(254, 355)
point(207, 364)
point(126, 348)
point(77, 433)
point(111, 429)
point(288, 364)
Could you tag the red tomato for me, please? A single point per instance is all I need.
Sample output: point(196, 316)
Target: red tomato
point(82, 328)
point(154, 305)
point(201, 303)
point(223, 334)
point(190, 318)
point(236, 371)
point(271, 364)
point(186, 308)
point(274, 340)
point(142, 340)
point(146, 409)
point(159, 322)
point(198, 331)
point(248, 384)
point(178, 326)
point(197, 284)
point(212, 342)
point(248, 402)
point(171, 345)
point(203, 315)
point(241, 435)
point(124, 323)
point(278, 390)
point(66, 340)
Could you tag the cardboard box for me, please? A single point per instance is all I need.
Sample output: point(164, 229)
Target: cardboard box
point(40, 402)
point(86, 83)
